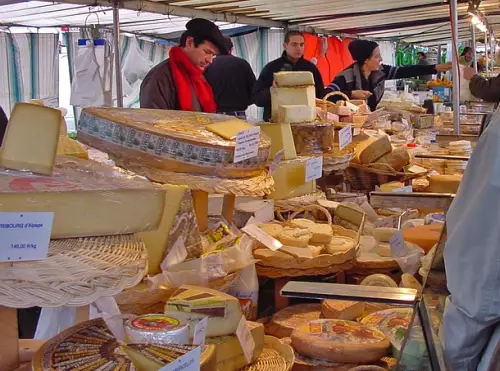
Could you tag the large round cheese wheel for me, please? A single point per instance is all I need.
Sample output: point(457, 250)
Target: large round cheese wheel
point(285, 321)
point(378, 279)
point(340, 341)
point(425, 236)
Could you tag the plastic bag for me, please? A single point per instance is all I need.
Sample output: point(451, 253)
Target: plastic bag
point(465, 93)
point(246, 289)
point(87, 86)
point(135, 65)
point(410, 262)
point(54, 320)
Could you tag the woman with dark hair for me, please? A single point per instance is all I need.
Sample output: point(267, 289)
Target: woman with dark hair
point(466, 56)
point(365, 78)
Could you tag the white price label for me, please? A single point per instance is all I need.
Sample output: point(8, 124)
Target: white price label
point(25, 236)
point(314, 169)
point(255, 232)
point(357, 131)
point(397, 243)
point(385, 222)
point(276, 162)
point(246, 340)
point(406, 189)
point(345, 137)
point(188, 362)
point(247, 144)
point(416, 169)
point(200, 331)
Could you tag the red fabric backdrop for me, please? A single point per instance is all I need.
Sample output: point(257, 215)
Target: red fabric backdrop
point(337, 57)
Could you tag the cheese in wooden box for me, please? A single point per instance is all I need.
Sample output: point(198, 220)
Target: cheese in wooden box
point(87, 198)
point(168, 140)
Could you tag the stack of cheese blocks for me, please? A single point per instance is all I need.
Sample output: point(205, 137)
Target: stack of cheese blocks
point(377, 149)
point(223, 312)
point(88, 198)
point(292, 101)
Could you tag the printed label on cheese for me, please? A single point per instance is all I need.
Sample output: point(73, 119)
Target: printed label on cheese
point(397, 244)
point(197, 301)
point(200, 331)
point(247, 144)
point(314, 169)
point(276, 162)
point(345, 332)
point(345, 137)
point(188, 362)
point(155, 323)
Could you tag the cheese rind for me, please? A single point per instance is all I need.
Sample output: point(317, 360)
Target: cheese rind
point(296, 114)
point(281, 139)
point(293, 78)
point(378, 279)
point(31, 139)
point(193, 303)
point(372, 149)
point(87, 198)
point(301, 96)
point(342, 309)
point(289, 179)
point(396, 159)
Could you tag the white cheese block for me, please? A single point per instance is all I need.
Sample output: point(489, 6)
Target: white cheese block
point(193, 303)
point(384, 234)
point(342, 309)
point(296, 114)
point(289, 179)
point(262, 210)
point(31, 139)
point(294, 78)
point(302, 96)
point(87, 198)
point(281, 139)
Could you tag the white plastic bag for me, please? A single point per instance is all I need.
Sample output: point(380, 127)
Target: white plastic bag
point(246, 289)
point(87, 86)
point(135, 64)
point(410, 262)
point(54, 320)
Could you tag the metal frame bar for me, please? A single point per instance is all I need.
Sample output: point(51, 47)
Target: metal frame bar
point(116, 41)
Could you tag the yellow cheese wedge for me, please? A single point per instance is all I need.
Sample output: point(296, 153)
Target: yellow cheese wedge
point(70, 147)
point(281, 138)
point(391, 186)
point(228, 129)
point(384, 234)
point(289, 180)
point(31, 139)
point(372, 149)
point(425, 236)
point(396, 159)
point(342, 309)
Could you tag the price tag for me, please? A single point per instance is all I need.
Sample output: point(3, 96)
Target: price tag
point(188, 362)
point(200, 331)
point(385, 222)
point(314, 168)
point(255, 232)
point(25, 236)
point(416, 169)
point(345, 136)
point(276, 162)
point(357, 131)
point(407, 189)
point(246, 340)
point(247, 144)
point(397, 244)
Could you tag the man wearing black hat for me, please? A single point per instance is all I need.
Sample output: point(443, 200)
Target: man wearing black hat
point(365, 79)
point(232, 80)
point(178, 83)
point(291, 60)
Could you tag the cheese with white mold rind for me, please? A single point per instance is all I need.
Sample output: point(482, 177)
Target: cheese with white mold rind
point(87, 198)
point(294, 78)
point(301, 96)
point(193, 303)
point(281, 139)
point(31, 139)
point(228, 350)
point(296, 114)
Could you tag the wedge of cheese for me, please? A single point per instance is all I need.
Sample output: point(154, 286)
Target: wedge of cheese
point(31, 139)
point(342, 309)
point(229, 129)
point(70, 147)
point(444, 184)
point(193, 303)
point(281, 138)
point(296, 114)
point(228, 350)
point(178, 221)
point(294, 78)
point(299, 96)
point(372, 149)
point(289, 179)
point(396, 159)
point(148, 357)
point(86, 197)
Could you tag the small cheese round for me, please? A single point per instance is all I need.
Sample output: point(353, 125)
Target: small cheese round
point(302, 223)
point(295, 237)
point(410, 282)
point(384, 249)
point(378, 279)
point(316, 250)
point(384, 234)
point(271, 229)
point(321, 233)
point(339, 244)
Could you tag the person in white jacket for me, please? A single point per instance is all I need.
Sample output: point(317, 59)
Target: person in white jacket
point(471, 324)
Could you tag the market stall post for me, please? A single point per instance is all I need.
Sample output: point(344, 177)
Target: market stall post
point(116, 41)
point(486, 51)
point(456, 67)
point(474, 52)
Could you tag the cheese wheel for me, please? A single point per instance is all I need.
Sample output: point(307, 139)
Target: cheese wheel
point(339, 244)
point(378, 279)
point(316, 250)
point(384, 234)
point(340, 341)
point(410, 282)
point(434, 218)
point(284, 322)
point(342, 309)
point(300, 253)
point(372, 149)
point(384, 249)
point(425, 236)
point(321, 233)
point(396, 159)
point(271, 229)
point(295, 237)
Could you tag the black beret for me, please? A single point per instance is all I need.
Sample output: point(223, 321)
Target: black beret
point(361, 50)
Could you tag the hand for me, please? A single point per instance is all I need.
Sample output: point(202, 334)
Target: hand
point(444, 67)
point(274, 84)
point(360, 94)
point(469, 73)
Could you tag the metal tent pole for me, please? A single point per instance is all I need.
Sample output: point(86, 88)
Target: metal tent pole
point(456, 68)
point(474, 59)
point(116, 41)
point(486, 51)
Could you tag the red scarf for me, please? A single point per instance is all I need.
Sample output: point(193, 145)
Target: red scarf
point(185, 75)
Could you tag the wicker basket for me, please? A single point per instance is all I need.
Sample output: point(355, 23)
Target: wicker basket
point(364, 178)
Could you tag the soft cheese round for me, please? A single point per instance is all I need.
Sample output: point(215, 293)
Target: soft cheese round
point(340, 341)
point(379, 280)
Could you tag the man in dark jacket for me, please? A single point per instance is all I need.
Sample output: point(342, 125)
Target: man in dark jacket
point(232, 81)
point(291, 60)
point(485, 89)
point(178, 83)
point(365, 79)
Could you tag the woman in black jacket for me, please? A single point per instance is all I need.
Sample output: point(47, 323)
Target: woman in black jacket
point(365, 78)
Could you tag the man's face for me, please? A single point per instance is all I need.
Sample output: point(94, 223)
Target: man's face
point(202, 55)
point(295, 47)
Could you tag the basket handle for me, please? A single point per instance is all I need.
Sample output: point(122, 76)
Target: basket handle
point(308, 208)
point(332, 93)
